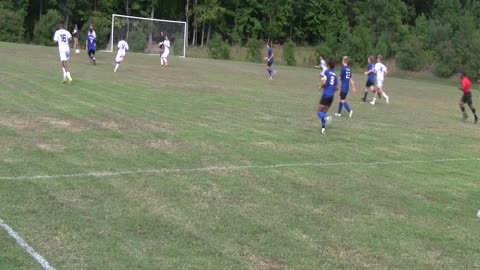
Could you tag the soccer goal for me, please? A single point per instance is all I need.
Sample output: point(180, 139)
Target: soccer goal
point(143, 34)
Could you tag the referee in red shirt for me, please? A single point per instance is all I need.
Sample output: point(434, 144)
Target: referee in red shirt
point(467, 97)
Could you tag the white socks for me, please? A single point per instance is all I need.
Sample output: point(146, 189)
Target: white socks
point(68, 76)
point(116, 67)
point(384, 95)
point(64, 72)
point(161, 61)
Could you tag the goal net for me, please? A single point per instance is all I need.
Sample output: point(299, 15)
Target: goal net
point(143, 34)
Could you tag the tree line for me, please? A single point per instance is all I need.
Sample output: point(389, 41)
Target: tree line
point(440, 35)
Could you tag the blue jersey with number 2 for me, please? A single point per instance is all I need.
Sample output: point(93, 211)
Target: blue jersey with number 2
point(330, 83)
point(345, 75)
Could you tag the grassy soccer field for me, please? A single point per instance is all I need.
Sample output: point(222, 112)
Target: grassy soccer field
point(210, 166)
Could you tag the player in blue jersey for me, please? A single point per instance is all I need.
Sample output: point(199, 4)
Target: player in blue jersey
point(370, 84)
point(346, 77)
point(329, 87)
point(90, 46)
point(269, 59)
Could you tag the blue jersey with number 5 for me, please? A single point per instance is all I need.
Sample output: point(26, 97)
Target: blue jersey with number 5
point(345, 75)
point(330, 83)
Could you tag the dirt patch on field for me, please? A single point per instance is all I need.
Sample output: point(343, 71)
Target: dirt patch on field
point(257, 262)
point(171, 146)
point(52, 148)
point(34, 123)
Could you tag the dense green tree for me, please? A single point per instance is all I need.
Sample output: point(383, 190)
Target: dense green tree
point(12, 26)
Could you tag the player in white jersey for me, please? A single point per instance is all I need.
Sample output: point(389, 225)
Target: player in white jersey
point(323, 66)
point(166, 52)
point(63, 37)
point(122, 49)
point(381, 71)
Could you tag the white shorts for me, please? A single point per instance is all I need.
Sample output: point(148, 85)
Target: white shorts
point(119, 58)
point(379, 83)
point(64, 56)
point(165, 54)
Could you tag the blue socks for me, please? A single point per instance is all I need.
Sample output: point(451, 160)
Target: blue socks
point(321, 115)
point(340, 107)
point(365, 94)
point(269, 72)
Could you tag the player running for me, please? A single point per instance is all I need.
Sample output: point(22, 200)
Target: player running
point(381, 71)
point(269, 59)
point(329, 86)
point(467, 97)
point(346, 77)
point(63, 37)
point(323, 66)
point(122, 50)
point(75, 37)
point(370, 84)
point(90, 46)
point(160, 46)
point(166, 52)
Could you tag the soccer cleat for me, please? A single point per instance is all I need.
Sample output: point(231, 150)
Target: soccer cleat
point(70, 81)
point(364, 99)
point(323, 130)
point(350, 114)
point(270, 78)
point(338, 114)
point(372, 102)
point(64, 80)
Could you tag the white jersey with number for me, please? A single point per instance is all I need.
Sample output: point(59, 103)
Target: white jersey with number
point(166, 48)
point(122, 48)
point(380, 70)
point(62, 36)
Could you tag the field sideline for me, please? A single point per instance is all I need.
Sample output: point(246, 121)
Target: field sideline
point(208, 165)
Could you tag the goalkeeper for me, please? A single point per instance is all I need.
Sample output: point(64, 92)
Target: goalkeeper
point(160, 45)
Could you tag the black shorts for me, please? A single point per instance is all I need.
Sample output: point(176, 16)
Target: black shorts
point(467, 98)
point(326, 101)
point(369, 84)
point(91, 52)
point(343, 95)
point(269, 64)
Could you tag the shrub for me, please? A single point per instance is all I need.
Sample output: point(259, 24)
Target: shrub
point(323, 50)
point(411, 55)
point(254, 50)
point(289, 53)
point(137, 40)
point(11, 23)
point(218, 49)
point(46, 27)
point(446, 59)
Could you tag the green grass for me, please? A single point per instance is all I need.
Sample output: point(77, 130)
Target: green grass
point(202, 113)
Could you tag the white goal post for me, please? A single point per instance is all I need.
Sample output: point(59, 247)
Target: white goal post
point(143, 34)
